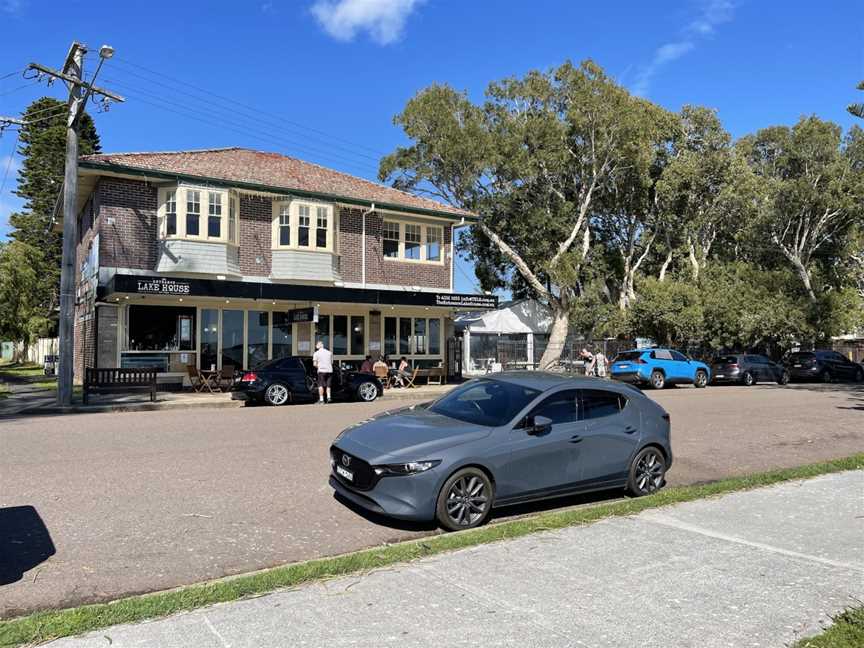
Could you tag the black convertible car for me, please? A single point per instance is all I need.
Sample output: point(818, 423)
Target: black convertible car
point(286, 380)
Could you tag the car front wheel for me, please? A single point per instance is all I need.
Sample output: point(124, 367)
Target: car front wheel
point(859, 375)
point(276, 394)
point(465, 500)
point(367, 391)
point(701, 379)
point(647, 472)
point(748, 379)
point(658, 380)
point(827, 377)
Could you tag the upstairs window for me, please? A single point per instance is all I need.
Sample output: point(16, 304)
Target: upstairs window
point(416, 242)
point(214, 215)
point(303, 226)
point(181, 212)
point(391, 239)
point(193, 213)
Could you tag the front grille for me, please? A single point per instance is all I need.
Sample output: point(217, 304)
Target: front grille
point(364, 475)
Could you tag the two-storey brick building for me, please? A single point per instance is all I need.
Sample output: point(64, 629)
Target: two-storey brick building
point(231, 256)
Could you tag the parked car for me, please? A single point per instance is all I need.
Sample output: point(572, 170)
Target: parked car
point(747, 369)
point(290, 379)
point(824, 366)
point(658, 368)
point(502, 439)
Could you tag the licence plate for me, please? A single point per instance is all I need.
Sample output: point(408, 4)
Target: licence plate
point(347, 474)
point(622, 366)
point(720, 376)
point(796, 365)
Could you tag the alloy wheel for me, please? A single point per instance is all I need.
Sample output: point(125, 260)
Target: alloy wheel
point(277, 394)
point(367, 391)
point(748, 379)
point(859, 375)
point(657, 380)
point(701, 379)
point(649, 472)
point(467, 500)
point(826, 377)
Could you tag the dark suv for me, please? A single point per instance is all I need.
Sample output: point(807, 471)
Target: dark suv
point(747, 369)
point(825, 366)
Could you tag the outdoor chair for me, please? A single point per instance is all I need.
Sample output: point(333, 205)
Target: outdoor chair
point(196, 381)
point(382, 374)
point(410, 378)
point(226, 376)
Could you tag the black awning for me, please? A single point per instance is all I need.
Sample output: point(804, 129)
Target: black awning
point(182, 287)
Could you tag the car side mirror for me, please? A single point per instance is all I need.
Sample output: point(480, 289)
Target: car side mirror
point(538, 425)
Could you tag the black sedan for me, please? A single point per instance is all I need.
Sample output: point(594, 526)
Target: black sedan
point(824, 366)
point(286, 380)
point(747, 369)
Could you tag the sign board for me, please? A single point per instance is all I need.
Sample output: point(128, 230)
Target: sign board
point(163, 286)
point(303, 315)
point(466, 301)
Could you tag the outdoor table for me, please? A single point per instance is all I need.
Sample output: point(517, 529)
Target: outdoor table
point(209, 378)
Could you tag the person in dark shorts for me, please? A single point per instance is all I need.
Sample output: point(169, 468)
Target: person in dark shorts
point(322, 359)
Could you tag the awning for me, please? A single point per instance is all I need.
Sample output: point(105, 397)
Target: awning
point(183, 287)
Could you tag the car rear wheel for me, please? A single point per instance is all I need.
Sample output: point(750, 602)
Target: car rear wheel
point(465, 500)
point(658, 380)
point(701, 379)
point(748, 379)
point(647, 472)
point(859, 375)
point(827, 377)
point(784, 378)
point(367, 391)
point(276, 394)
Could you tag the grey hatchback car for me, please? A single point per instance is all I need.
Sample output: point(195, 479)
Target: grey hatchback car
point(504, 439)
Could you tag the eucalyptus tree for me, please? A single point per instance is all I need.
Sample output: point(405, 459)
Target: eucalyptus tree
point(813, 192)
point(530, 161)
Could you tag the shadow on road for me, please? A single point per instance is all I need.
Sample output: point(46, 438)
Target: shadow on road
point(24, 542)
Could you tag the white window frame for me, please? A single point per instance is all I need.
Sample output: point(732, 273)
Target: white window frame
point(313, 216)
point(424, 232)
point(230, 206)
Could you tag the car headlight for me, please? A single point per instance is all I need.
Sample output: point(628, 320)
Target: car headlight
point(409, 468)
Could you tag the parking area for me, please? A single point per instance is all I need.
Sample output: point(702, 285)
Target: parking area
point(119, 503)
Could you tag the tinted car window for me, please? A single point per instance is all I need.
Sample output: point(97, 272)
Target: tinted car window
point(560, 407)
point(678, 356)
point(628, 355)
point(801, 356)
point(597, 403)
point(661, 354)
point(485, 402)
point(727, 359)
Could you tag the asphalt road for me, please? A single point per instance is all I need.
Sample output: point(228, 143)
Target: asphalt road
point(95, 506)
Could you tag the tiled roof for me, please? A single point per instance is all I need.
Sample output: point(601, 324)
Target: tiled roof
point(270, 170)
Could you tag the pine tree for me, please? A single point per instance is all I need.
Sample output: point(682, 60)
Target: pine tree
point(40, 182)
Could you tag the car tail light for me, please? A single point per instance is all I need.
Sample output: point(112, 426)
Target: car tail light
point(733, 365)
point(249, 376)
point(639, 361)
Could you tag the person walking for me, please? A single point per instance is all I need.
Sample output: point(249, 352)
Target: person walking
point(322, 359)
point(589, 360)
point(600, 361)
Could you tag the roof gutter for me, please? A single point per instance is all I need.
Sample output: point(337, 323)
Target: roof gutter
point(218, 182)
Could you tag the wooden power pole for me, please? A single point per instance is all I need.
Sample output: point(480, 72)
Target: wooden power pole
point(79, 92)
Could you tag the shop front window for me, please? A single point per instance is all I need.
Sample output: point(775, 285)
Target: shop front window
point(434, 336)
point(258, 325)
point(322, 331)
point(282, 336)
point(404, 335)
point(161, 328)
point(420, 336)
point(209, 338)
point(340, 335)
point(389, 336)
point(232, 338)
point(358, 331)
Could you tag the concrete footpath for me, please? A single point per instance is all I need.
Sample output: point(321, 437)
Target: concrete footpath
point(757, 568)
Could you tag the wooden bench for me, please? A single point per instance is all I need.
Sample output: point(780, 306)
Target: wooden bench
point(433, 375)
point(115, 380)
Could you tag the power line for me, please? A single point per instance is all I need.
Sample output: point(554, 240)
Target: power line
point(11, 74)
point(21, 87)
point(185, 84)
point(9, 163)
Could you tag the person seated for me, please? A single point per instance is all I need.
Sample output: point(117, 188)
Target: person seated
point(403, 373)
point(367, 367)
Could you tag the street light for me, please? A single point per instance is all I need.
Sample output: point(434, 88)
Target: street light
point(106, 51)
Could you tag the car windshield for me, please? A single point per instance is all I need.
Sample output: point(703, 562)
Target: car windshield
point(485, 402)
point(628, 355)
point(799, 356)
point(727, 359)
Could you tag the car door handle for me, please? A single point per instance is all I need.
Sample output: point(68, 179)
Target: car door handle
point(629, 429)
point(575, 439)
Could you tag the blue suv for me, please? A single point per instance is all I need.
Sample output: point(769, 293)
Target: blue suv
point(659, 367)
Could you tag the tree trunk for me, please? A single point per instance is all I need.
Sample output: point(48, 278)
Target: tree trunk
point(663, 268)
point(805, 278)
point(694, 262)
point(557, 337)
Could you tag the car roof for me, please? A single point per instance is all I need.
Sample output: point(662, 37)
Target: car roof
point(544, 380)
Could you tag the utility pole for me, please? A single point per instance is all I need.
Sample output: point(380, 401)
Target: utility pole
point(73, 75)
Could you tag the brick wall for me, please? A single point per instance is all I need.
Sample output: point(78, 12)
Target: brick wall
point(84, 343)
point(256, 234)
point(131, 240)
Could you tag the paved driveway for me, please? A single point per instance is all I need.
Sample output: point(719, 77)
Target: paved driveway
point(94, 506)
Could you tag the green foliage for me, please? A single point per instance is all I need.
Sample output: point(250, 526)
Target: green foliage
point(669, 312)
point(22, 293)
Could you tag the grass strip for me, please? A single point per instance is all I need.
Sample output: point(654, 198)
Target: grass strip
point(21, 370)
point(846, 631)
point(42, 626)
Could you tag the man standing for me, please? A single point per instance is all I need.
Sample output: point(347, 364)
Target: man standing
point(323, 361)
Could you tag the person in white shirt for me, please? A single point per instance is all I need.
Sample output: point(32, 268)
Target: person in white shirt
point(322, 359)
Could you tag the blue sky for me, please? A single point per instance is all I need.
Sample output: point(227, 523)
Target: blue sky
point(328, 75)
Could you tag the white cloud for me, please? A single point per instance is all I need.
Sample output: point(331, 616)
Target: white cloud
point(384, 20)
point(11, 6)
point(713, 13)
